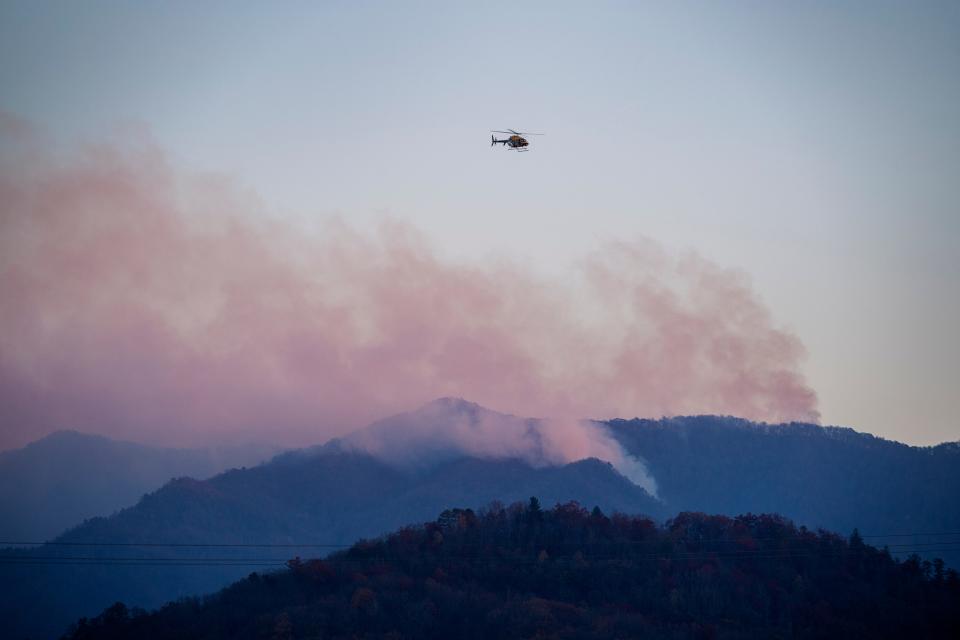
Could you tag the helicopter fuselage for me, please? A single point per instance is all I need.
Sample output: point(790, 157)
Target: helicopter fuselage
point(514, 142)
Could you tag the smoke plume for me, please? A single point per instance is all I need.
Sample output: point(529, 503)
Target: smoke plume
point(449, 428)
point(141, 301)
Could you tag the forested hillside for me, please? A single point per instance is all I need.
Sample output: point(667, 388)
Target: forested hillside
point(522, 572)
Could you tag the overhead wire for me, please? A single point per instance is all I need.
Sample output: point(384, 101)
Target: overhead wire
point(699, 555)
point(586, 548)
point(73, 543)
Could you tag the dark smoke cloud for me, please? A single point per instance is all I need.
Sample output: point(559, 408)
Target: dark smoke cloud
point(144, 302)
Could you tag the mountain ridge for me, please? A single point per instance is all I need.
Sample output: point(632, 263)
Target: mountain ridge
point(830, 477)
point(68, 476)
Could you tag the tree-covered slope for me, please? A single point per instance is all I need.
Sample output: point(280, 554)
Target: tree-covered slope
point(522, 572)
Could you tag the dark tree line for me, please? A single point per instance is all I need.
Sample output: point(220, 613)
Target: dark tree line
point(526, 572)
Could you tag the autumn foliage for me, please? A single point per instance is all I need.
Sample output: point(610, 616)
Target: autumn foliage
point(526, 572)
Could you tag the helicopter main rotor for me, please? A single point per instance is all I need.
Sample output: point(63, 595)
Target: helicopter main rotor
point(517, 133)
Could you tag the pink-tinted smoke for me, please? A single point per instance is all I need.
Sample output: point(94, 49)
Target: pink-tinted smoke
point(143, 302)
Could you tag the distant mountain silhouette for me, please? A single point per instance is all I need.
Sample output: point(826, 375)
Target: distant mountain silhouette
point(67, 477)
point(827, 477)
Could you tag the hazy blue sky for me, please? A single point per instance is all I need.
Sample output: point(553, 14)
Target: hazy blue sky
point(814, 145)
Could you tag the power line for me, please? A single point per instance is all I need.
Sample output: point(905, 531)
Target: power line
point(758, 554)
point(785, 553)
point(179, 544)
point(903, 535)
point(683, 555)
point(144, 558)
point(143, 564)
point(265, 545)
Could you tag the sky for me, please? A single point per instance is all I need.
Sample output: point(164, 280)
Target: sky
point(809, 152)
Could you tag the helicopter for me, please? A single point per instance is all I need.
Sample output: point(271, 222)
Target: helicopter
point(516, 141)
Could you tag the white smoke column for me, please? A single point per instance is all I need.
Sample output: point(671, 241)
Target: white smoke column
point(450, 428)
point(569, 440)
